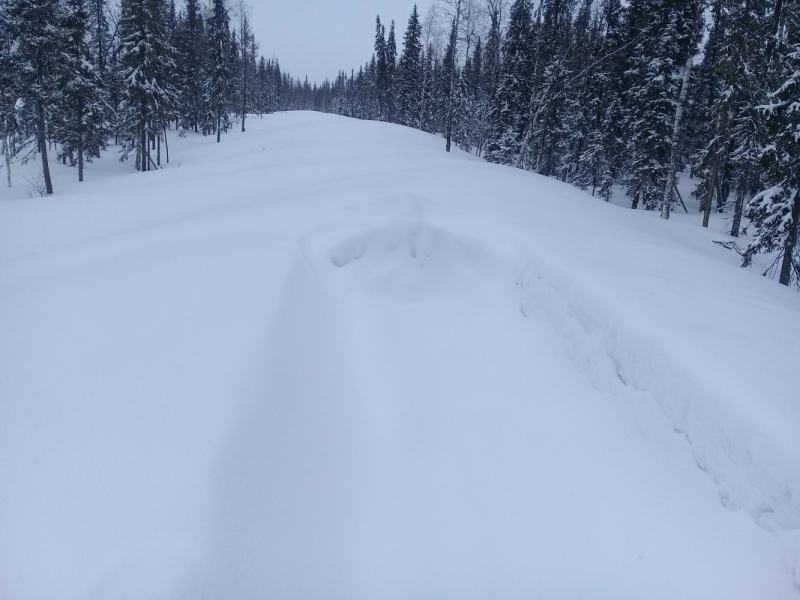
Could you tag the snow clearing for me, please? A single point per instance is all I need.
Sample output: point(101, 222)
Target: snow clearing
point(325, 359)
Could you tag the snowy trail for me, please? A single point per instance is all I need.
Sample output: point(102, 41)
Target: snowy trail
point(316, 371)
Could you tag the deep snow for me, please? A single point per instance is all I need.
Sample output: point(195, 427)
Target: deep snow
point(325, 359)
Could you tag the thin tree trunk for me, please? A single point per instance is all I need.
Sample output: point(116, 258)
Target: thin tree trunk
point(686, 210)
point(48, 184)
point(7, 153)
point(712, 186)
point(166, 145)
point(453, 78)
point(244, 82)
point(158, 152)
point(80, 153)
point(219, 120)
point(422, 100)
point(144, 150)
point(737, 213)
point(791, 243)
point(676, 129)
point(635, 202)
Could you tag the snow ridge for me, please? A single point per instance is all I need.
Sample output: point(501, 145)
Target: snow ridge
point(751, 472)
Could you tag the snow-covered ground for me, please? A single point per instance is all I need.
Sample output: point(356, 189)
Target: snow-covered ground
point(325, 359)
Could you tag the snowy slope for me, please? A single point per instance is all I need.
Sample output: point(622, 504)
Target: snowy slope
point(325, 359)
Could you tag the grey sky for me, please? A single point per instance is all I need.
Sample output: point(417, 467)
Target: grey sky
point(319, 37)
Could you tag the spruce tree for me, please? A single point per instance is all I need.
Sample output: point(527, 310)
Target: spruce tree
point(666, 38)
point(381, 71)
point(191, 53)
point(514, 89)
point(409, 74)
point(8, 90)
point(449, 78)
point(391, 74)
point(38, 40)
point(147, 70)
point(775, 211)
point(219, 71)
point(81, 127)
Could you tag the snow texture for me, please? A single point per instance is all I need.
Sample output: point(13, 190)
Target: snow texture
point(325, 359)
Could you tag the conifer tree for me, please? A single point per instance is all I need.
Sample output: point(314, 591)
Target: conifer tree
point(542, 146)
point(190, 66)
point(665, 39)
point(391, 74)
point(449, 78)
point(599, 163)
point(409, 73)
point(38, 38)
point(775, 211)
point(514, 90)
point(81, 127)
point(219, 71)
point(147, 69)
point(8, 90)
point(381, 71)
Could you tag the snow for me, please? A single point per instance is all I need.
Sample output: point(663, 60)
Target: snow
point(325, 359)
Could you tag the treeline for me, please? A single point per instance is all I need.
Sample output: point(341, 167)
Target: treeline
point(599, 93)
point(77, 75)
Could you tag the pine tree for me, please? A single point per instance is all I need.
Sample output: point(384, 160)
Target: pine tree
point(490, 75)
point(599, 163)
point(219, 71)
point(449, 78)
point(666, 38)
point(100, 35)
point(775, 212)
point(409, 72)
point(147, 69)
point(191, 53)
point(381, 70)
point(8, 90)
point(391, 74)
point(514, 90)
point(735, 129)
point(36, 50)
point(81, 127)
point(542, 147)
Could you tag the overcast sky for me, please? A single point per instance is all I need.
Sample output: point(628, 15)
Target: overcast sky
point(319, 37)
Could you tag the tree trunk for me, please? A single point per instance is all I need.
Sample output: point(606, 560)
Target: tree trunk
point(791, 242)
point(166, 145)
point(144, 150)
point(737, 213)
point(635, 202)
point(453, 78)
point(422, 99)
point(244, 84)
point(158, 152)
point(676, 129)
point(711, 187)
point(48, 184)
point(219, 121)
point(80, 153)
point(7, 153)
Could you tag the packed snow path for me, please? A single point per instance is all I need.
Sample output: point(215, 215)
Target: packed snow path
point(325, 359)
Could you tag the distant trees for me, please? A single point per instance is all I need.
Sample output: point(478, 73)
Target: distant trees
point(605, 94)
point(76, 75)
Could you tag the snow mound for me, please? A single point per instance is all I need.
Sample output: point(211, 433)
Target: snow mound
point(407, 260)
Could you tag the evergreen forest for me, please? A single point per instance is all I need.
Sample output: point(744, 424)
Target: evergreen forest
point(600, 94)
